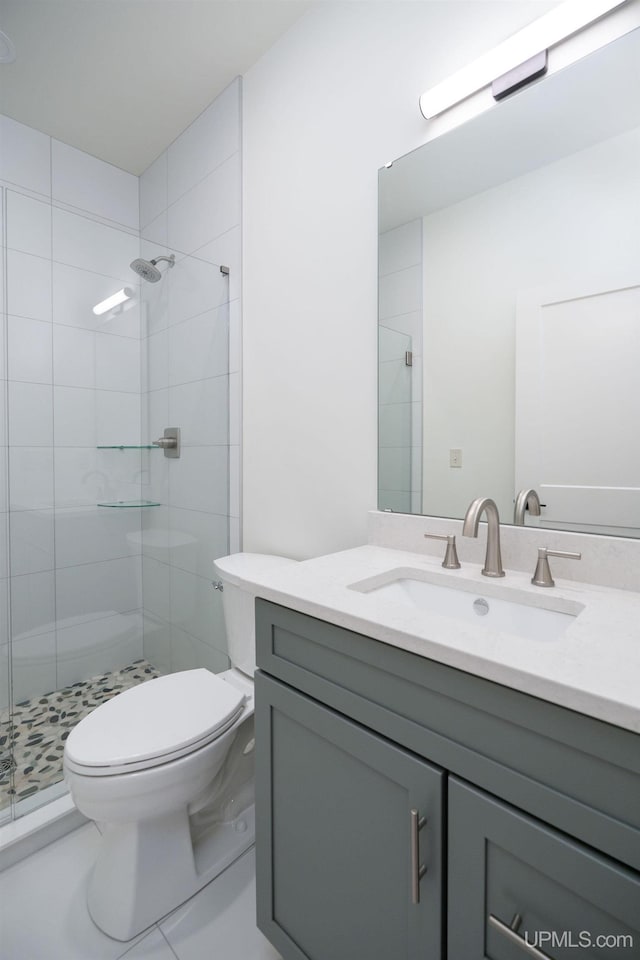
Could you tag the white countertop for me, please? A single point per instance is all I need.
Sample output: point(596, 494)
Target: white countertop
point(593, 668)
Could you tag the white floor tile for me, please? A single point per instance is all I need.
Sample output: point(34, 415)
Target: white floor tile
point(44, 912)
point(220, 920)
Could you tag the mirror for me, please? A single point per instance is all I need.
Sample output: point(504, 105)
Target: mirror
point(509, 306)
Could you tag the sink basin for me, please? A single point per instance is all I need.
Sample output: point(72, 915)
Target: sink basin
point(469, 604)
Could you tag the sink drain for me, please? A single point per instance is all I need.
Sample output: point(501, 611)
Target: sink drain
point(481, 607)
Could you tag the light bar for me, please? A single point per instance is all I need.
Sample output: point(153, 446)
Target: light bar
point(113, 301)
point(548, 30)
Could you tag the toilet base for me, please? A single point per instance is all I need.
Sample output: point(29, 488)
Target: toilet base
point(146, 869)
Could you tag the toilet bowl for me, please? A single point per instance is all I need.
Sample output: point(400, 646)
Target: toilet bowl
point(166, 769)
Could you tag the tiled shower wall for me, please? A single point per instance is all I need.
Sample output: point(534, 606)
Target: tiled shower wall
point(71, 383)
point(190, 205)
point(400, 315)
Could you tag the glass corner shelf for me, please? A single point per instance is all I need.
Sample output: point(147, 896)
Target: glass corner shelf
point(128, 504)
point(127, 446)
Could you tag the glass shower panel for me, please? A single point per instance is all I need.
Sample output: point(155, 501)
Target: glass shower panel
point(186, 385)
point(75, 575)
point(394, 420)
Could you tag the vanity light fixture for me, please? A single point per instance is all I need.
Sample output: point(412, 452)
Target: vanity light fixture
point(113, 301)
point(530, 43)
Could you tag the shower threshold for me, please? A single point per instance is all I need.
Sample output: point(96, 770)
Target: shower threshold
point(35, 730)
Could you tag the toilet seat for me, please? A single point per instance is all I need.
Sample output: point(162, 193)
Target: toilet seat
point(154, 723)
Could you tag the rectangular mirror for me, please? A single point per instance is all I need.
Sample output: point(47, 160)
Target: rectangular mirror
point(509, 306)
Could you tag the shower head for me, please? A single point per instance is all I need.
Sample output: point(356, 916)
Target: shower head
point(147, 268)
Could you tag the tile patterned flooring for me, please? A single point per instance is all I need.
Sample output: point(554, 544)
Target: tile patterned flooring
point(37, 729)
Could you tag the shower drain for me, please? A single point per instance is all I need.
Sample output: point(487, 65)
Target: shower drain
point(7, 764)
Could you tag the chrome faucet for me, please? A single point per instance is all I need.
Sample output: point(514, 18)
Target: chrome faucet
point(493, 560)
point(526, 499)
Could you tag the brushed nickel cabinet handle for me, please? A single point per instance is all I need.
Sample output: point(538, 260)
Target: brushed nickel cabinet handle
point(510, 933)
point(418, 869)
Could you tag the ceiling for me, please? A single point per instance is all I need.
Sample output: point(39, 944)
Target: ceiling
point(121, 79)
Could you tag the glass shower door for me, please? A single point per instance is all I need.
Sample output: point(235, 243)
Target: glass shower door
point(394, 420)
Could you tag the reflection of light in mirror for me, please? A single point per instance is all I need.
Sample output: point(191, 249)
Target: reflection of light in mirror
point(543, 33)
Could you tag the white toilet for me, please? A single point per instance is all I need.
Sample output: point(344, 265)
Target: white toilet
point(166, 768)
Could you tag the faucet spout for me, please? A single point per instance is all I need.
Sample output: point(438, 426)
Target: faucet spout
point(526, 500)
point(493, 560)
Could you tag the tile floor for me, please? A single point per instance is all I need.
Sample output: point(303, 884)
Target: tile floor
point(43, 913)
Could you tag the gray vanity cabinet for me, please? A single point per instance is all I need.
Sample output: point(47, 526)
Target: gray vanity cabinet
point(343, 871)
point(530, 808)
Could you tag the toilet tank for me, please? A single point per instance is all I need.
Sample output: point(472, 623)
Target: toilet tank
point(237, 572)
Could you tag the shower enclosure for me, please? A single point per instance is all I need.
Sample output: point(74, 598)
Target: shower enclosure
point(105, 542)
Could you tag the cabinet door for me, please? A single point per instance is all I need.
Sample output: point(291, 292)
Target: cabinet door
point(336, 854)
point(561, 899)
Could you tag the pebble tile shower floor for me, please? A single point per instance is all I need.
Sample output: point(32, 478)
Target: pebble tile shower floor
point(32, 736)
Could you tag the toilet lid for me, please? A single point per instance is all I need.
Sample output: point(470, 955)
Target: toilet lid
point(155, 719)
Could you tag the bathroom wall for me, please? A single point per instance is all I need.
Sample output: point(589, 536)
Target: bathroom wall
point(400, 312)
point(324, 109)
point(190, 205)
point(72, 383)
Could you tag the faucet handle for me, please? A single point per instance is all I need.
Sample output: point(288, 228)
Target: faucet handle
point(450, 561)
point(542, 576)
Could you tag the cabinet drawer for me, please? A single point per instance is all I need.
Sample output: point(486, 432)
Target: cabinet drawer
point(503, 864)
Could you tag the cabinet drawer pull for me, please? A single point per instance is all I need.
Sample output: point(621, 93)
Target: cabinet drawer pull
point(510, 934)
point(418, 869)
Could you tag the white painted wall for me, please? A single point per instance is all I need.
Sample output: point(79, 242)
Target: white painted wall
point(329, 104)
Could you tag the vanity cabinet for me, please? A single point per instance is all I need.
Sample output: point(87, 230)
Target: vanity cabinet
point(530, 808)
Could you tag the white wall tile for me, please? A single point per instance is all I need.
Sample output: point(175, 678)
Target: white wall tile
point(117, 363)
point(199, 480)
point(94, 589)
point(202, 411)
point(197, 539)
point(81, 242)
point(92, 647)
point(210, 139)
point(77, 291)
point(157, 402)
point(28, 224)
point(32, 604)
point(4, 555)
point(199, 347)
point(28, 286)
point(153, 190)
point(206, 211)
point(227, 249)
point(156, 585)
point(235, 336)
point(74, 417)
point(74, 362)
point(25, 157)
point(400, 292)
point(92, 534)
point(32, 541)
point(83, 181)
point(33, 666)
point(194, 287)
point(30, 414)
point(118, 417)
point(157, 347)
point(78, 479)
point(30, 350)
point(155, 304)
point(157, 642)
point(31, 478)
point(188, 653)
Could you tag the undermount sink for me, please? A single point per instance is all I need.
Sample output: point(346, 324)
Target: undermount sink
point(468, 603)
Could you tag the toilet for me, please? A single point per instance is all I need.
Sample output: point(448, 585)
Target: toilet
point(166, 770)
